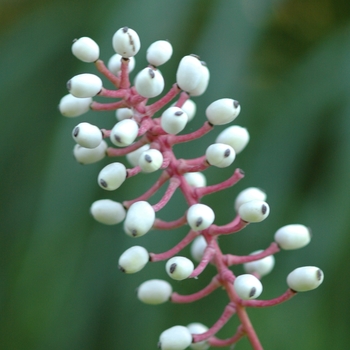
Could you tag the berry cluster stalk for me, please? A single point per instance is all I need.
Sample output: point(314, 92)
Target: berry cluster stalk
point(147, 137)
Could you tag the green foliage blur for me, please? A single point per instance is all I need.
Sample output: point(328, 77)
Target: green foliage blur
point(287, 62)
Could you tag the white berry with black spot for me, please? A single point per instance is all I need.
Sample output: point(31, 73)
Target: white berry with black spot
point(84, 85)
point(247, 287)
point(114, 64)
point(126, 42)
point(223, 111)
point(254, 211)
point(124, 132)
point(71, 106)
point(149, 82)
point(112, 176)
point(87, 135)
point(249, 194)
point(173, 120)
point(139, 219)
point(150, 160)
point(133, 259)
point(200, 216)
point(220, 155)
point(305, 278)
point(179, 268)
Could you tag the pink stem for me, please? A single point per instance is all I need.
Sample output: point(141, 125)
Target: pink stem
point(107, 73)
point(175, 139)
point(117, 152)
point(182, 99)
point(113, 93)
point(236, 225)
point(163, 225)
point(171, 252)
point(156, 106)
point(213, 341)
point(174, 183)
point(133, 171)
point(237, 175)
point(124, 73)
point(96, 106)
point(192, 165)
point(230, 309)
point(152, 190)
point(184, 299)
point(272, 302)
point(235, 260)
point(209, 252)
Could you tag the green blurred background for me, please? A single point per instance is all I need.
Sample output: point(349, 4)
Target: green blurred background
point(287, 62)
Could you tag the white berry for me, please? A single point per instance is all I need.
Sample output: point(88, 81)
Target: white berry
point(133, 157)
point(149, 82)
point(203, 82)
point(200, 216)
point(71, 106)
point(124, 132)
point(85, 155)
point(247, 287)
point(159, 52)
point(195, 179)
point(154, 292)
point(262, 266)
point(133, 259)
point(175, 338)
point(173, 120)
point(235, 136)
point(189, 73)
point(198, 328)
point(179, 268)
point(220, 155)
point(139, 219)
point(222, 111)
point(114, 64)
point(293, 236)
point(107, 212)
point(126, 42)
point(86, 49)
point(190, 108)
point(198, 247)
point(124, 113)
point(87, 135)
point(112, 176)
point(84, 85)
point(249, 194)
point(305, 278)
point(150, 160)
point(254, 211)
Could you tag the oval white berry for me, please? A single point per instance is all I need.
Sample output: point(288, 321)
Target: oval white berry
point(126, 42)
point(84, 85)
point(220, 155)
point(254, 211)
point(107, 212)
point(154, 291)
point(262, 266)
point(133, 259)
point(179, 268)
point(71, 106)
point(139, 219)
point(235, 136)
point(249, 194)
point(198, 247)
point(150, 160)
point(200, 216)
point(173, 120)
point(159, 52)
point(195, 179)
point(124, 113)
point(87, 135)
point(293, 236)
point(112, 176)
point(198, 328)
point(203, 82)
point(189, 73)
point(149, 82)
point(133, 157)
point(305, 278)
point(223, 111)
point(86, 49)
point(124, 132)
point(85, 155)
point(247, 287)
point(190, 108)
point(175, 338)
point(114, 64)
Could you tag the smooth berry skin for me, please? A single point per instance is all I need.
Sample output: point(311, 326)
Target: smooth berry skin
point(198, 328)
point(150, 160)
point(124, 132)
point(293, 236)
point(112, 176)
point(304, 279)
point(114, 64)
point(198, 247)
point(249, 194)
point(173, 120)
point(107, 212)
point(149, 82)
point(85, 155)
point(254, 211)
point(175, 338)
point(133, 157)
point(200, 216)
point(195, 179)
point(133, 259)
point(87, 135)
point(71, 106)
point(126, 42)
point(220, 155)
point(247, 287)
point(223, 111)
point(189, 73)
point(203, 82)
point(84, 85)
point(235, 136)
point(159, 52)
point(261, 267)
point(179, 268)
point(86, 49)
point(154, 292)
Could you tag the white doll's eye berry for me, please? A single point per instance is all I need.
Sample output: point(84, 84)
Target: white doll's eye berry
point(124, 113)
point(154, 292)
point(262, 266)
point(293, 236)
point(189, 73)
point(254, 211)
point(249, 194)
point(203, 82)
point(223, 111)
point(159, 52)
point(198, 247)
point(235, 136)
point(87, 135)
point(150, 160)
point(114, 64)
point(173, 120)
point(126, 42)
point(149, 82)
point(220, 155)
point(71, 106)
point(86, 49)
point(107, 212)
point(195, 179)
point(124, 133)
point(305, 278)
point(179, 268)
point(85, 155)
point(133, 259)
point(198, 328)
point(247, 287)
point(84, 85)
point(200, 217)
point(175, 338)
point(190, 108)
point(112, 176)
point(139, 219)
point(133, 157)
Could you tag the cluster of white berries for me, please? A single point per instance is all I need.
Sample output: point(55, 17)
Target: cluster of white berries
point(148, 149)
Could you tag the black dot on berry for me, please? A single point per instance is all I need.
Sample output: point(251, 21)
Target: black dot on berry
point(76, 131)
point(172, 267)
point(227, 153)
point(199, 221)
point(252, 292)
point(148, 158)
point(103, 183)
point(264, 209)
point(235, 104)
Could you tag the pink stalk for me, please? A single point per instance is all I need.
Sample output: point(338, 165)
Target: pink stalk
point(171, 252)
point(236, 225)
point(192, 165)
point(174, 183)
point(213, 341)
point(209, 252)
point(117, 152)
point(230, 310)
point(124, 73)
point(272, 302)
point(170, 225)
point(182, 99)
point(234, 259)
point(133, 171)
point(107, 73)
point(113, 93)
point(175, 139)
point(97, 106)
point(184, 299)
point(156, 106)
